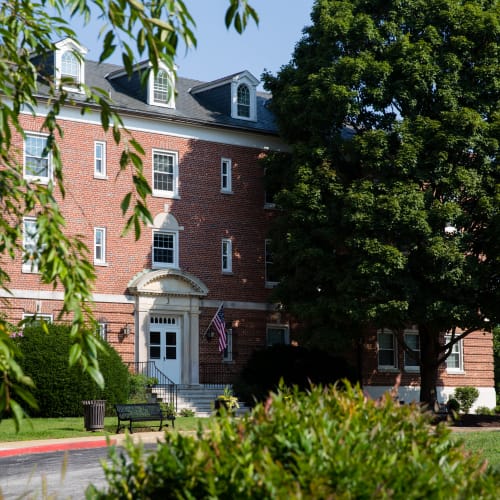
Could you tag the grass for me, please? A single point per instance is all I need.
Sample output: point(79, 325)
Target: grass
point(53, 428)
point(484, 443)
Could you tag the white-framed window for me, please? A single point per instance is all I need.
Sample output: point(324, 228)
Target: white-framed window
point(165, 249)
point(102, 330)
point(243, 99)
point(32, 319)
point(30, 245)
point(99, 159)
point(37, 160)
point(270, 276)
point(455, 361)
point(99, 245)
point(386, 350)
point(227, 355)
point(165, 174)
point(277, 334)
point(412, 361)
point(227, 255)
point(161, 88)
point(226, 175)
point(70, 67)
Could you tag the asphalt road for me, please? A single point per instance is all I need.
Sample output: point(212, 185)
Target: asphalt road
point(56, 475)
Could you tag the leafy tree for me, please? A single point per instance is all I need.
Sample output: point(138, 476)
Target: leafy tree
point(390, 196)
point(138, 31)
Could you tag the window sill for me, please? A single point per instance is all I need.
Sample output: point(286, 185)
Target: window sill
point(225, 191)
point(455, 372)
point(159, 194)
point(101, 264)
point(409, 369)
point(227, 273)
point(101, 177)
point(387, 369)
point(271, 284)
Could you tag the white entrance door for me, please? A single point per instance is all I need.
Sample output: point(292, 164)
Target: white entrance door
point(165, 345)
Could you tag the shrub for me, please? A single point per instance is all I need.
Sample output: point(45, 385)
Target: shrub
point(466, 397)
point(484, 410)
point(325, 443)
point(295, 366)
point(59, 389)
point(139, 384)
point(187, 412)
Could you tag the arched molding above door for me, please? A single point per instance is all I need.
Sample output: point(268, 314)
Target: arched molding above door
point(167, 282)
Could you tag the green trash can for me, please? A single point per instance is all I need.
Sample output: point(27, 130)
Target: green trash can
point(93, 414)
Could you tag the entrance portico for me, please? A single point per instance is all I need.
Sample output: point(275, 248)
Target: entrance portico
point(167, 309)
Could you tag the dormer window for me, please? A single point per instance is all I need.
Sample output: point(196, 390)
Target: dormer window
point(70, 65)
point(161, 89)
point(70, 68)
point(243, 97)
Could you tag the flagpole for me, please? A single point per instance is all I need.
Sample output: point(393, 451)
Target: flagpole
point(213, 317)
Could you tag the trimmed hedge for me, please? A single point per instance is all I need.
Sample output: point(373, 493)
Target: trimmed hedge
point(326, 443)
point(60, 390)
point(292, 365)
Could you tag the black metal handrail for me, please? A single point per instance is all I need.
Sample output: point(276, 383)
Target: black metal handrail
point(217, 374)
point(164, 387)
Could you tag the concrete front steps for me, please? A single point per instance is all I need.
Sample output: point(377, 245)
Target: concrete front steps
point(200, 399)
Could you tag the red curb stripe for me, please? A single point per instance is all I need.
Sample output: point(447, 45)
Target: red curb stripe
point(56, 447)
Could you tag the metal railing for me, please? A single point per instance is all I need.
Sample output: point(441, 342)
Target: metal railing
point(164, 388)
point(217, 374)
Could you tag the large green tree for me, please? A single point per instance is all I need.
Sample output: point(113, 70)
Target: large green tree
point(390, 195)
point(28, 30)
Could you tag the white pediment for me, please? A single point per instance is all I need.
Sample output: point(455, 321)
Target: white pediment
point(164, 282)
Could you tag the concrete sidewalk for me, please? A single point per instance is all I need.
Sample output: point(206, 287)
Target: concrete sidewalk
point(11, 448)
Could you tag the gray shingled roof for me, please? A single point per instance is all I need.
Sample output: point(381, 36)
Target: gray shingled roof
point(188, 107)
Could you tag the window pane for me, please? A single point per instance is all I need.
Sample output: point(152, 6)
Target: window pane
point(275, 336)
point(36, 162)
point(161, 87)
point(243, 101)
point(163, 166)
point(386, 358)
point(385, 341)
point(171, 338)
point(69, 65)
point(154, 352)
point(163, 248)
point(171, 352)
point(154, 337)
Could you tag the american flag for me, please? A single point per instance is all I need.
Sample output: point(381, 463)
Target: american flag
point(220, 325)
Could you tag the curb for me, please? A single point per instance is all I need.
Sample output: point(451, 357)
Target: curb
point(14, 448)
point(48, 447)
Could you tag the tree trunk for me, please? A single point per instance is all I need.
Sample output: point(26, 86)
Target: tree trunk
point(429, 355)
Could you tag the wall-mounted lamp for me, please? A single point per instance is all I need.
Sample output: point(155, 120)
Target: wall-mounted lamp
point(209, 334)
point(450, 228)
point(125, 330)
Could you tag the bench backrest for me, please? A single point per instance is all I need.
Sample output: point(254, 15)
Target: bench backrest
point(138, 410)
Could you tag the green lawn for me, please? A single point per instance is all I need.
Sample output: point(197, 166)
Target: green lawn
point(485, 443)
point(51, 428)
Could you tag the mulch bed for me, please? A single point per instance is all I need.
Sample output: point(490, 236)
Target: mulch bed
point(478, 421)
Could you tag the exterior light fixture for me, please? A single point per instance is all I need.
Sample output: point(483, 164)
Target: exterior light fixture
point(126, 330)
point(450, 228)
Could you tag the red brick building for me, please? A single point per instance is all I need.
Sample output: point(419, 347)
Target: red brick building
point(155, 298)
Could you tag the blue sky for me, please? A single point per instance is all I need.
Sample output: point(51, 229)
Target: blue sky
point(221, 52)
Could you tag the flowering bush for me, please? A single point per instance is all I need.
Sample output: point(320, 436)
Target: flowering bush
point(325, 443)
